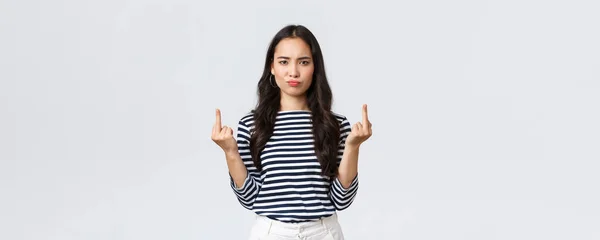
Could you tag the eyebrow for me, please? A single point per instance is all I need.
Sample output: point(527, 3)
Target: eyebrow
point(300, 58)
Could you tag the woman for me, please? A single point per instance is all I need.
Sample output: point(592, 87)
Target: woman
point(294, 162)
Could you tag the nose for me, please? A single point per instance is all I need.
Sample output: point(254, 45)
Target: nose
point(293, 71)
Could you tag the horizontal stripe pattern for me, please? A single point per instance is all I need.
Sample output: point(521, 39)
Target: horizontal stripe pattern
point(290, 188)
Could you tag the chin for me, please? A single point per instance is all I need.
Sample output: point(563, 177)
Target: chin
point(295, 93)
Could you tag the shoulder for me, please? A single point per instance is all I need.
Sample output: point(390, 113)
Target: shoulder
point(340, 117)
point(345, 127)
point(247, 119)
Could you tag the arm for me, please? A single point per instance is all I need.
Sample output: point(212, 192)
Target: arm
point(345, 186)
point(237, 169)
point(244, 178)
point(348, 167)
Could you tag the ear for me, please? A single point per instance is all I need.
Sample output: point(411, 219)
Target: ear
point(273, 66)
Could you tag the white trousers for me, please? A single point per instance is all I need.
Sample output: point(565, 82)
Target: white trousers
point(325, 229)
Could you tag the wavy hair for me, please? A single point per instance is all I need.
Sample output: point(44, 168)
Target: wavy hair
point(325, 127)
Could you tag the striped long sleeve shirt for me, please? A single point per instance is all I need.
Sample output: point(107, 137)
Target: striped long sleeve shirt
point(290, 188)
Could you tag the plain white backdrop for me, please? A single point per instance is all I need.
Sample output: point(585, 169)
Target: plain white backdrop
point(485, 115)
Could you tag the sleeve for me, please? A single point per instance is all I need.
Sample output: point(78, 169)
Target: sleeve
point(246, 194)
point(342, 197)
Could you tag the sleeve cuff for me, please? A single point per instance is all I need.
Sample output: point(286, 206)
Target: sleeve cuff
point(337, 184)
point(242, 188)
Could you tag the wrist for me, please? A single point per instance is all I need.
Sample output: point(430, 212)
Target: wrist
point(231, 153)
point(352, 146)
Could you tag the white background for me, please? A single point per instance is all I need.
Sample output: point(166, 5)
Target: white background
point(485, 115)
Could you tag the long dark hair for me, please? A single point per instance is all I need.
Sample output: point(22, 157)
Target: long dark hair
point(325, 127)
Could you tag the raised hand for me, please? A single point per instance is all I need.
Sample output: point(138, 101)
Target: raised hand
point(223, 136)
point(361, 131)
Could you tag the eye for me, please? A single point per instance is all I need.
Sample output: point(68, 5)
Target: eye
point(283, 62)
point(304, 62)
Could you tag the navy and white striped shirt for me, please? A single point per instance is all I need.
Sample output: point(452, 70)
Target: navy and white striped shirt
point(291, 188)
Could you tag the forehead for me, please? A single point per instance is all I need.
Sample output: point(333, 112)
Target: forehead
point(292, 47)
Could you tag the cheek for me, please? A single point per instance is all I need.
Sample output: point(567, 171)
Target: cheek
point(279, 72)
point(308, 73)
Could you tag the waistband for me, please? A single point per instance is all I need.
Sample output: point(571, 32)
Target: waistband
point(300, 226)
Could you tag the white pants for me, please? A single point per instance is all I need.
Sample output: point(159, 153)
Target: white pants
point(324, 229)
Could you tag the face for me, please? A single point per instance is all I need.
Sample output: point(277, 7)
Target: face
point(292, 66)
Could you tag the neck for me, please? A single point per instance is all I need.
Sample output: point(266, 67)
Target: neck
point(293, 103)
